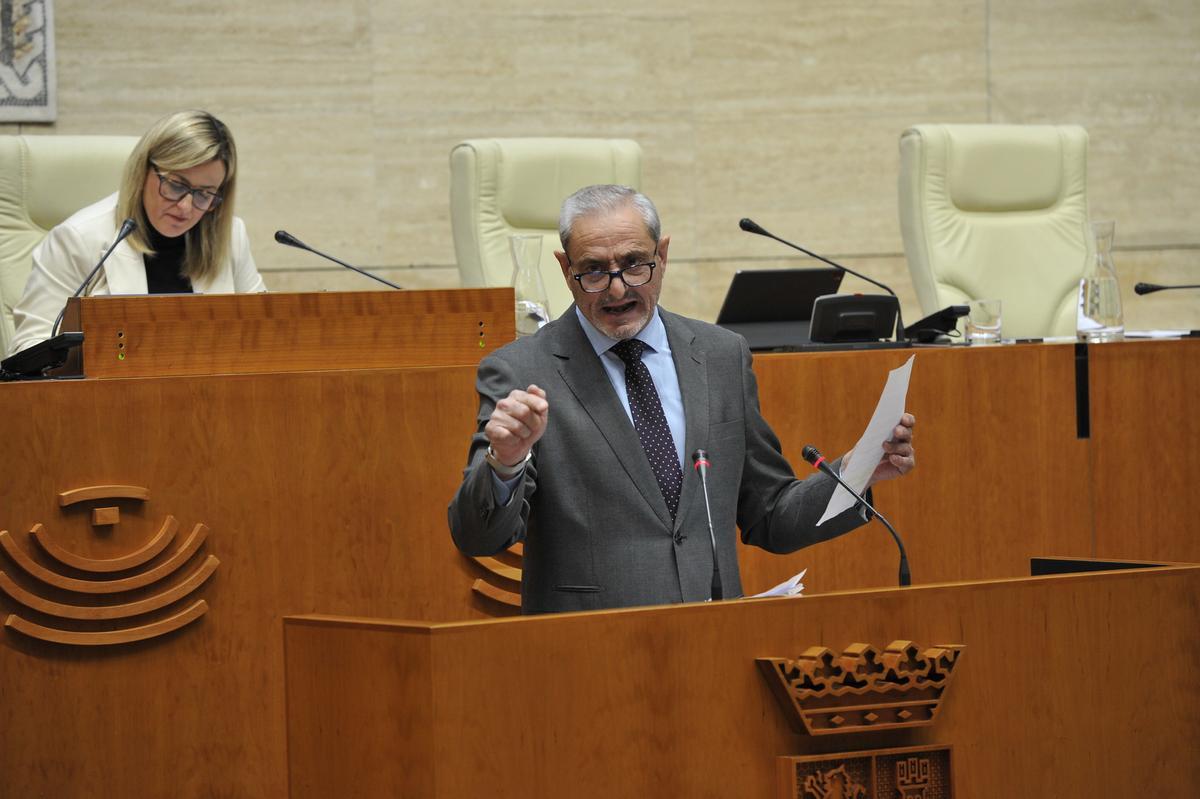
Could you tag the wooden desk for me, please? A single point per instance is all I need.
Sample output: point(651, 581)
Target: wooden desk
point(1062, 690)
point(326, 491)
point(1001, 475)
point(1145, 449)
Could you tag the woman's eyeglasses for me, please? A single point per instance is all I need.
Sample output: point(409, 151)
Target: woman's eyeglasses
point(175, 190)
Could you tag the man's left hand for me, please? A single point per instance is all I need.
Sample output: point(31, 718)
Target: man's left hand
point(899, 457)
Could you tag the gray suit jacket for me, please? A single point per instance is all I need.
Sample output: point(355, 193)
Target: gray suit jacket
point(597, 531)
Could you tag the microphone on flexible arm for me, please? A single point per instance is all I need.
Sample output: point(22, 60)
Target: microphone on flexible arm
point(283, 237)
point(750, 226)
point(1150, 288)
point(701, 463)
point(127, 227)
point(813, 456)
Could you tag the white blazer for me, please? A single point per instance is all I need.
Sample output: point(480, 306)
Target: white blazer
point(71, 250)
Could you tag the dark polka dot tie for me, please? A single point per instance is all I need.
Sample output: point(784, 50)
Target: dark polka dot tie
point(650, 422)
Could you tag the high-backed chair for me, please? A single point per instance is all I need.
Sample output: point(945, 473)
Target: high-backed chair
point(43, 180)
point(501, 187)
point(998, 212)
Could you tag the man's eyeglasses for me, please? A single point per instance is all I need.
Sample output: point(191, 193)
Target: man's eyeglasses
point(174, 190)
point(633, 276)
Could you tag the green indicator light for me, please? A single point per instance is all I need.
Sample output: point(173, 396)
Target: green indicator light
point(120, 356)
point(480, 343)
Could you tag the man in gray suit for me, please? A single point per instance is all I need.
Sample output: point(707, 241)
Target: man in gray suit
point(583, 429)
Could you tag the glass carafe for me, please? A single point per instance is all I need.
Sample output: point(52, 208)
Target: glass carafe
point(1099, 318)
point(533, 310)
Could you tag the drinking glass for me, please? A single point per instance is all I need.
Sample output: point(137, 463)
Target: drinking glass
point(533, 310)
point(983, 322)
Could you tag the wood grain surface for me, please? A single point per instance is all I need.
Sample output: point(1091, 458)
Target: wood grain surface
point(1145, 452)
point(244, 333)
point(1000, 473)
point(326, 492)
point(1062, 690)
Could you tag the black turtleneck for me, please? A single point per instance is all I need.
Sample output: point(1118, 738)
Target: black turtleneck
point(163, 268)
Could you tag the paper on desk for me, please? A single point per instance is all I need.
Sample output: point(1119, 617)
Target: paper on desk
point(1156, 333)
point(790, 587)
point(869, 449)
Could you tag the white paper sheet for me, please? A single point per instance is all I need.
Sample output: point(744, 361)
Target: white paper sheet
point(789, 587)
point(869, 449)
point(1156, 333)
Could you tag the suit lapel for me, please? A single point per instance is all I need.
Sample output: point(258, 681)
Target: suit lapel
point(692, 369)
point(124, 271)
point(583, 373)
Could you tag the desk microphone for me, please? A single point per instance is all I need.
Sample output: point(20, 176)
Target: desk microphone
point(700, 463)
point(750, 226)
point(127, 227)
point(283, 237)
point(818, 461)
point(1150, 288)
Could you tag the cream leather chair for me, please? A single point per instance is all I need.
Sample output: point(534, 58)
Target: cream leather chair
point(43, 180)
point(998, 211)
point(499, 187)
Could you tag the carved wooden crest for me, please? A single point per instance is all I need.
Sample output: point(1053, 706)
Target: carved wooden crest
point(85, 601)
point(823, 693)
point(908, 773)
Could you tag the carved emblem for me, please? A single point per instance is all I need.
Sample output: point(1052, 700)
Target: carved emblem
point(138, 577)
point(921, 772)
point(912, 777)
point(823, 693)
point(833, 784)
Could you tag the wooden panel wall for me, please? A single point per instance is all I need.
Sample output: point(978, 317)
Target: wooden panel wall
point(320, 490)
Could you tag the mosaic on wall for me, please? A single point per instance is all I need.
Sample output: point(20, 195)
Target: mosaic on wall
point(27, 92)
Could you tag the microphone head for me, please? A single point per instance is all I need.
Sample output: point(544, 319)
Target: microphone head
point(283, 237)
point(1146, 288)
point(750, 226)
point(127, 227)
point(700, 460)
point(811, 454)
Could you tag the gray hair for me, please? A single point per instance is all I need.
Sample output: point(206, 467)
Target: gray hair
point(607, 198)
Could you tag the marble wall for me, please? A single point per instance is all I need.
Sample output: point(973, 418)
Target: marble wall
point(788, 112)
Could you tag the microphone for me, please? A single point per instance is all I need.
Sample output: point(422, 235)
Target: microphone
point(750, 226)
point(1150, 288)
point(283, 237)
point(127, 227)
point(813, 456)
point(701, 463)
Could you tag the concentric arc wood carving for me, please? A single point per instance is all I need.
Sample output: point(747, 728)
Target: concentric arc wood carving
point(145, 554)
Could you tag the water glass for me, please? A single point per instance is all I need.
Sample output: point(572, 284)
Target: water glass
point(983, 322)
point(533, 310)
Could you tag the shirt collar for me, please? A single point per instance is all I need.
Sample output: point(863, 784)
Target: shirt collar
point(653, 335)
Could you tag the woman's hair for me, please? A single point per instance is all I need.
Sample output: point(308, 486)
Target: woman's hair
point(176, 142)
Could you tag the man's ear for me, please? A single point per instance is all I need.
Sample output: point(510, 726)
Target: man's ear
point(564, 264)
point(663, 244)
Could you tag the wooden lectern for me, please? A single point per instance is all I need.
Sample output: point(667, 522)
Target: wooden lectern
point(1073, 686)
point(200, 334)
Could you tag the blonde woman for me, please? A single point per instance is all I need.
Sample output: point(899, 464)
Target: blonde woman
point(178, 187)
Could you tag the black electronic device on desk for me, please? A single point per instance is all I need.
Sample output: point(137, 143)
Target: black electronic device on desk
point(855, 322)
point(772, 308)
point(936, 328)
point(34, 363)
